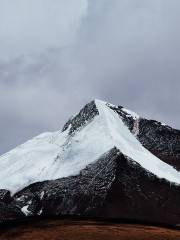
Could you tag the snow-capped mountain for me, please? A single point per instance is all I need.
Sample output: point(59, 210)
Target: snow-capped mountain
point(97, 162)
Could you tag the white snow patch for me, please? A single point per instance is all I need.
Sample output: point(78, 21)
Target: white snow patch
point(42, 195)
point(40, 212)
point(131, 113)
point(52, 156)
point(25, 210)
point(163, 124)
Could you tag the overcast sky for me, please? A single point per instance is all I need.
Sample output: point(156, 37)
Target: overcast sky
point(55, 56)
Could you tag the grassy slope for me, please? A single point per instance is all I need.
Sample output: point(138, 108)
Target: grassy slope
point(81, 230)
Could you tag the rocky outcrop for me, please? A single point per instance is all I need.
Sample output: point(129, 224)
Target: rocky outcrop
point(160, 139)
point(113, 187)
point(5, 196)
point(10, 212)
point(87, 113)
point(8, 208)
point(163, 141)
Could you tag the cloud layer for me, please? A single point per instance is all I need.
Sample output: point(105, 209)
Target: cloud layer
point(32, 26)
point(57, 55)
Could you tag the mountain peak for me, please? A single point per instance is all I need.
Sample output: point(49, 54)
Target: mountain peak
point(94, 131)
point(99, 165)
point(90, 110)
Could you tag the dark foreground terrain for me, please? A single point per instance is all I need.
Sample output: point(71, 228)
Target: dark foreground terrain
point(85, 230)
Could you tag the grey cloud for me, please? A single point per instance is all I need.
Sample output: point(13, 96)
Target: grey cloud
point(31, 26)
point(125, 52)
point(133, 56)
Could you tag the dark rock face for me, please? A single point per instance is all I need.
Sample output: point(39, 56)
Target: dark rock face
point(162, 141)
point(84, 116)
point(5, 196)
point(126, 118)
point(112, 187)
point(137, 194)
point(9, 212)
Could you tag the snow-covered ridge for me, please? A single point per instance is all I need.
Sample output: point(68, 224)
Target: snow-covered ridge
point(125, 141)
point(60, 154)
point(131, 113)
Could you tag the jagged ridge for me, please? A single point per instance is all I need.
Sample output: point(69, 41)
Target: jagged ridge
point(95, 167)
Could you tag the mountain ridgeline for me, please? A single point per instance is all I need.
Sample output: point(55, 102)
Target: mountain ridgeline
point(107, 162)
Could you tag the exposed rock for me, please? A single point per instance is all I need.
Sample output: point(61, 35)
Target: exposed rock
point(5, 196)
point(88, 112)
point(9, 212)
point(161, 140)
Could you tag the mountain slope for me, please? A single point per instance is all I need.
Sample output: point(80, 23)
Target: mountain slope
point(98, 166)
point(61, 154)
point(114, 187)
point(160, 139)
